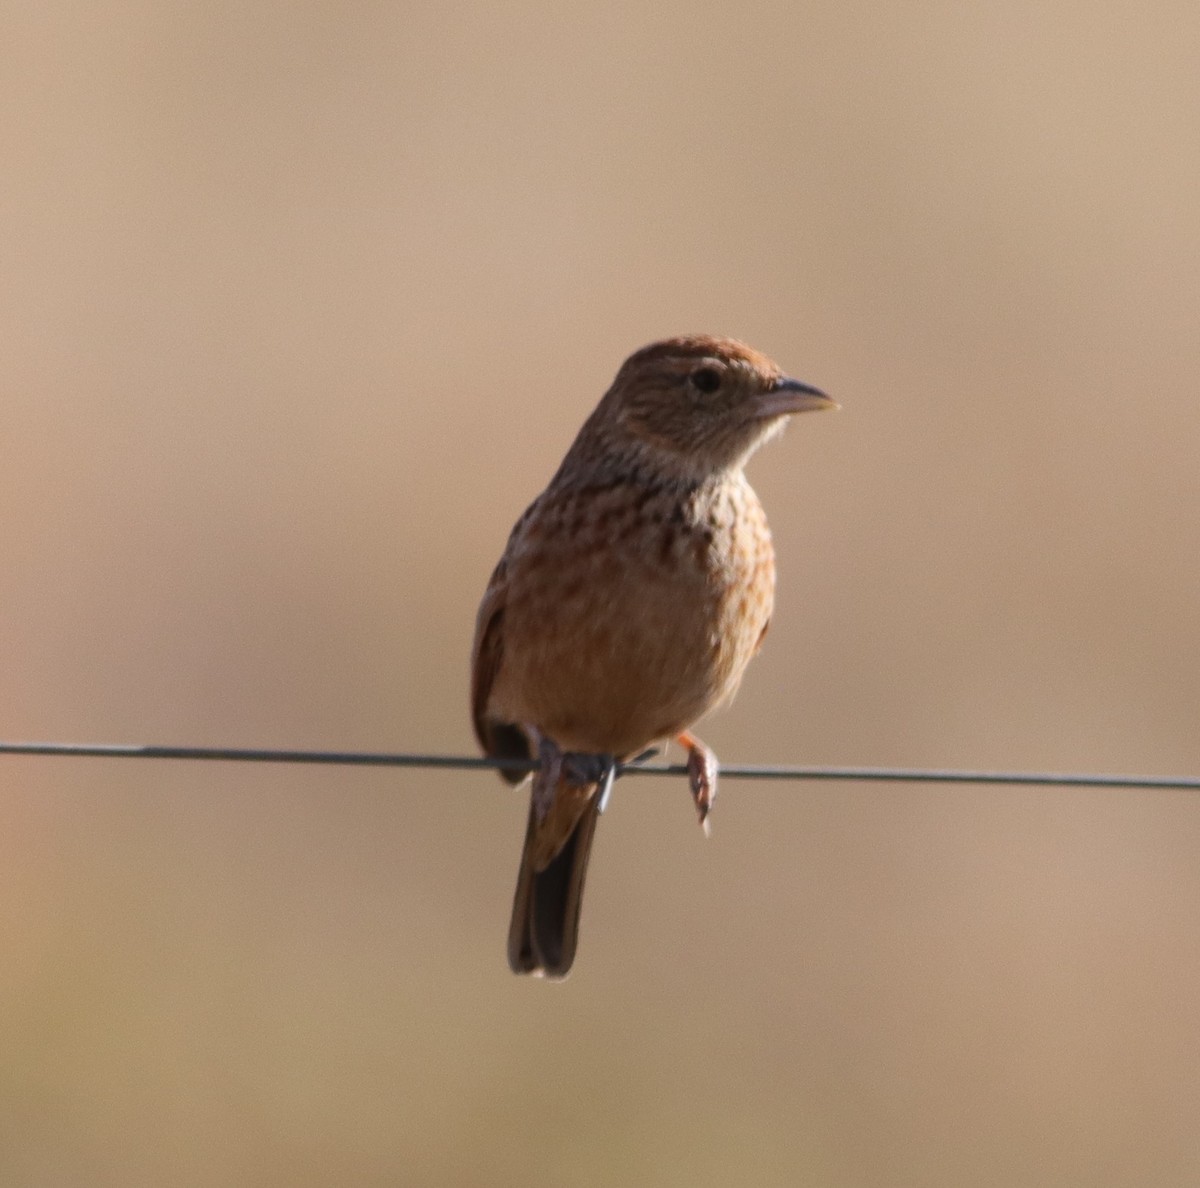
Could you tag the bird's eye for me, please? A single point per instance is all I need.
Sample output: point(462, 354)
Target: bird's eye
point(706, 379)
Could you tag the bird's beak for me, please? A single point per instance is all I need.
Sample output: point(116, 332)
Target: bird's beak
point(790, 396)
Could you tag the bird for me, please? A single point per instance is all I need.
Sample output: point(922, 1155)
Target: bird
point(630, 597)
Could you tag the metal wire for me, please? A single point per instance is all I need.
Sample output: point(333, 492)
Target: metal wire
point(735, 771)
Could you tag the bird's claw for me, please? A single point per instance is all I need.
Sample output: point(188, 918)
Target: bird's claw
point(606, 787)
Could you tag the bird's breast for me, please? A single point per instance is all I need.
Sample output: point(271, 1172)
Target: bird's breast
point(630, 612)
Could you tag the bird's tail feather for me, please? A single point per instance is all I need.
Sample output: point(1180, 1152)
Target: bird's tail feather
point(545, 917)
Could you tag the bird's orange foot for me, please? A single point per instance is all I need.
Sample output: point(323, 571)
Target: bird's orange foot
point(702, 775)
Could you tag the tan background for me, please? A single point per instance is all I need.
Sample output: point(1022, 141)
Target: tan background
point(301, 303)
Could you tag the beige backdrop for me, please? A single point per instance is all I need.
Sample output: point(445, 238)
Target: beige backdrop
point(301, 303)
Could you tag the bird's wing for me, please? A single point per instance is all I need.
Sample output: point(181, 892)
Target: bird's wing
point(499, 740)
point(487, 650)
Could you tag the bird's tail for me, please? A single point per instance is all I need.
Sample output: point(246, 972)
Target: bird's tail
point(545, 916)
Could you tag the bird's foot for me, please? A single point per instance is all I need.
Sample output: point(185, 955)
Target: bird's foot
point(702, 776)
point(581, 769)
point(546, 776)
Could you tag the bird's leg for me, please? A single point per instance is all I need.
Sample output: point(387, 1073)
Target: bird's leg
point(702, 775)
point(547, 773)
point(642, 757)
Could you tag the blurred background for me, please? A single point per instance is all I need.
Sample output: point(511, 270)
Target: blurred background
point(303, 302)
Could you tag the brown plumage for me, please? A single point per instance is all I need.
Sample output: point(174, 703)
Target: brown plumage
point(629, 600)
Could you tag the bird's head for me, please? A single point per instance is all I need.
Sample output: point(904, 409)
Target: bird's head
point(702, 405)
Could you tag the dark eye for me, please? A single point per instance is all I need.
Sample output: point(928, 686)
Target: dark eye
point(706, 379)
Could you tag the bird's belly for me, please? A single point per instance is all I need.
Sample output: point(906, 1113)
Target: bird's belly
point(609, 655)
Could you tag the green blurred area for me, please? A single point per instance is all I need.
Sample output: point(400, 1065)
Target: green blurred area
point(302, 304)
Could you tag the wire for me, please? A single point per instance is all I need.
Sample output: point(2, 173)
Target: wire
point(735, 771)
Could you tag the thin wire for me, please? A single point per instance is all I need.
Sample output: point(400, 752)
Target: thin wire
point(744, 771)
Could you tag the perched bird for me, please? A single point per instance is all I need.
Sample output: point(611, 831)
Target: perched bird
point(629, 600)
